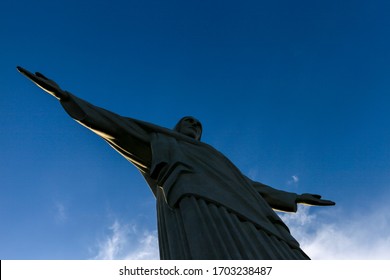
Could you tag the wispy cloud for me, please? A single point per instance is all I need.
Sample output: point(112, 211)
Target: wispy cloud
point(127, 241)
point(60, 214)
point(293, 180)
point(363, 237)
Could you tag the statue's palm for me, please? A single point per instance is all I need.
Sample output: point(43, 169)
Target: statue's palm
point(313, 199)
point(44, 83)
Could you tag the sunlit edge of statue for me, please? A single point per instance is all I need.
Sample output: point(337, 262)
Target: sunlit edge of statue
point(206, 208)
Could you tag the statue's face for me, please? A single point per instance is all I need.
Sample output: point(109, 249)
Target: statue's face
point(191, 127)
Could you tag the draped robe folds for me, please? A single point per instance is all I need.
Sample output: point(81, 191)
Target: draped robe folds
point(206, 208)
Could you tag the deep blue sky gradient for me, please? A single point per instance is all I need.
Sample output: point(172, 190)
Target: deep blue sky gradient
point(283, 88)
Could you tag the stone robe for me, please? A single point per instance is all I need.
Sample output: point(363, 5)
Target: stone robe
point(206, 208)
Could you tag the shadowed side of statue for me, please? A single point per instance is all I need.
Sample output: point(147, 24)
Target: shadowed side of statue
point(206, 208)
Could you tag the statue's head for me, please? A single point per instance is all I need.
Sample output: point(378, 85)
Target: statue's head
point(189, 126)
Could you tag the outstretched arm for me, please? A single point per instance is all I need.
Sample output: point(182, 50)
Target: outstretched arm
point(287, 201)
point(127, 136)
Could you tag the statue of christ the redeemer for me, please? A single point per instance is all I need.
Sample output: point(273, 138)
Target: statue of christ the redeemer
point(206, 208)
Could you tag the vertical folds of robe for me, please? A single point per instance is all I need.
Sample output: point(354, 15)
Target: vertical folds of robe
point(220, 234)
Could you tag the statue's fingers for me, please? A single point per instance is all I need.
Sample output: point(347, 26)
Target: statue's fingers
point(327, 202)
point(27, 73)
point(21, 69)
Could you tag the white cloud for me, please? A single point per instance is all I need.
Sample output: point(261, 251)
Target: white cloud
point(294, 180)
point(60, 212)
point(361, 236)
point(322, 236)
point(126, 241)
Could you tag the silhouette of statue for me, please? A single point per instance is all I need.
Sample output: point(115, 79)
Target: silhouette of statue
point(206, 208)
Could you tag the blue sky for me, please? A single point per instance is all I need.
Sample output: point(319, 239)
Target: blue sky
point(295, 93)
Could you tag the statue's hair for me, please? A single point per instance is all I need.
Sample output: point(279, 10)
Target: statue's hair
point(177, 126)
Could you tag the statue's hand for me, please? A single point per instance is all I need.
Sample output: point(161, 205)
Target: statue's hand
point(44, 83)
point(313, 199)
